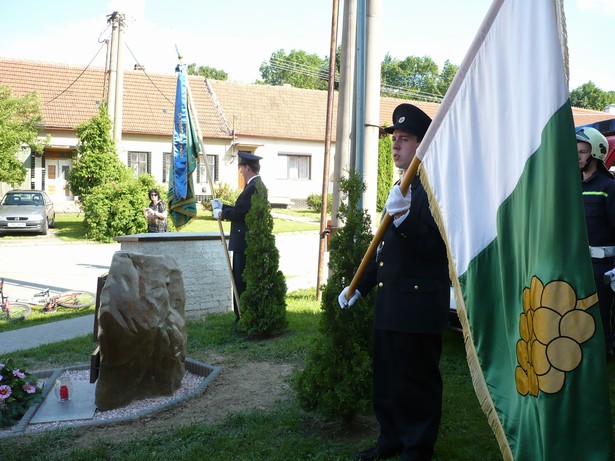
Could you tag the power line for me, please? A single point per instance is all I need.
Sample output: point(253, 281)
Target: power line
point(142, 69)
point(323, 74)
point(78, 77)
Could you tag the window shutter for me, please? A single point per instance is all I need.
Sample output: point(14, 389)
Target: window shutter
point(149, 162)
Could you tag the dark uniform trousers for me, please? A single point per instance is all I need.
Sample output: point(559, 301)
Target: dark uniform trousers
point(407, 364)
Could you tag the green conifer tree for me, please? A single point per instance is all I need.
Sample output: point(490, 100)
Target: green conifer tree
point(386, 168)
point(337, 379)
point(263, 303)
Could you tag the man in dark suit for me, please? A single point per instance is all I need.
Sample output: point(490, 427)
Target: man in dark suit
point(410, 269)
point(250, 168)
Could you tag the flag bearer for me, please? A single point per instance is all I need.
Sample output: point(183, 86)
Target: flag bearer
point(412, 302)
point(249, 167)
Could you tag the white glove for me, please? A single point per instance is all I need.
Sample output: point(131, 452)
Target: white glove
point(217, 212)
point(611, 274)
point(216, 204)
point(343, 302)
point(397, 202)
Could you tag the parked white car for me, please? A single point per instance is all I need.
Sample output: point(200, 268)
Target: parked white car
point(26, 211)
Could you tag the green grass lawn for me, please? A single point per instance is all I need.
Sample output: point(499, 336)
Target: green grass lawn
point(284, 432)
point(69, 226)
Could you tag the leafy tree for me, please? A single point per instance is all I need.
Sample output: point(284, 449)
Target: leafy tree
point(96, 161)
point(20, 118)
point(263, 303)
point(589, 96)
point(385, 171)
point(416, 77)
point(116, 207)
point(207, 72)
point(337, 379)
point(413, 73)
point(298, 68)
point(449, 70)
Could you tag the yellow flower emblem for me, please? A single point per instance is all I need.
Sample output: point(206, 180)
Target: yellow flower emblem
point(553, 325)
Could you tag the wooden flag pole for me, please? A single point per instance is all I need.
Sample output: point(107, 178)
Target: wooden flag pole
point(409, 175)
point(213, 194)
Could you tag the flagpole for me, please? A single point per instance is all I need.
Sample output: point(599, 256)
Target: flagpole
point(409, 175)
point(192, 109)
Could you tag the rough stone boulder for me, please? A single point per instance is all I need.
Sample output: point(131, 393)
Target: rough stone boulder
point(141, 330)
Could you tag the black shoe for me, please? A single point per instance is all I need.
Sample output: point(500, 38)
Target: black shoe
point(370, 454)
point(373, 454)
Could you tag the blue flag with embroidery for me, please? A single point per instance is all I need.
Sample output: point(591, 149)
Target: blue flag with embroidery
point(180, 176)
point(186, 149)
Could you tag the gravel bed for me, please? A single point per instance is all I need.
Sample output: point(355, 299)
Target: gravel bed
point(192, 384)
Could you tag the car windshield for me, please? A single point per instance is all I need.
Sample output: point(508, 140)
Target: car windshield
point(23, 198)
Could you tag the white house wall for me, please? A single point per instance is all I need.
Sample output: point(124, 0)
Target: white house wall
point(295, 190)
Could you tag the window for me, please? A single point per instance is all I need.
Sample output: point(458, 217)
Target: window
point(201, 172)
point(166, 166)
point(294, 166)
point(139, 162)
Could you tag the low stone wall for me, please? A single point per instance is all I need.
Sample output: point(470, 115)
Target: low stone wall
point(201, 258)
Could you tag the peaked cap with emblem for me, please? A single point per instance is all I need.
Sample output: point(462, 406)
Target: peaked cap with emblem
point(407, 117)
point(248, 159)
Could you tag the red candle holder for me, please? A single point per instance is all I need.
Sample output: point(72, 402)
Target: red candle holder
point(63, 389)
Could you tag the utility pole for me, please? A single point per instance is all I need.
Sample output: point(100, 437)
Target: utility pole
point(372, 109)
point(116, 76)
point(327, 156)
point(344, 143)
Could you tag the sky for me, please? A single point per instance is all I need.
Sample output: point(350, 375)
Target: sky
point(237, 36)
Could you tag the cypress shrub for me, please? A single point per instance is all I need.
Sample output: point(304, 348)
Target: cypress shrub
point(337, 379)
point(386, 168)
point(263, 303)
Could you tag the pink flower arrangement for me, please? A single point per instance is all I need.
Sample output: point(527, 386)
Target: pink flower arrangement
point(18, 391)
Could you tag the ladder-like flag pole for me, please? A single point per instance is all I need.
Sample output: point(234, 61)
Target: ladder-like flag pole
point(192, 109)
point(409, 175)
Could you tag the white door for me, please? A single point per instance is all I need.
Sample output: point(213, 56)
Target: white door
point(56, 185)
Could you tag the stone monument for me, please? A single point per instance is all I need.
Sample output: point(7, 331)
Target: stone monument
point(141, 330)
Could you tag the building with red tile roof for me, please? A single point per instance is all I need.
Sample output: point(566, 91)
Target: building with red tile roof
point(284, 125)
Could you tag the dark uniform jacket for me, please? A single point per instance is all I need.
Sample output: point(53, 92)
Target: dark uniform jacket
point(237, 215)
point(411, 272)
point(599, 204)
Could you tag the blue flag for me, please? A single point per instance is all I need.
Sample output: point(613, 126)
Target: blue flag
point(186, 149)
point(180, 169)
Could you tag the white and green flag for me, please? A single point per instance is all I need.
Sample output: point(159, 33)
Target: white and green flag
point(500, 165)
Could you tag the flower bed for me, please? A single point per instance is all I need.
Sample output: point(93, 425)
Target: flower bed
point(18, 391)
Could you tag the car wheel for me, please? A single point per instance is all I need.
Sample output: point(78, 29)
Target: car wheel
point(52, 224)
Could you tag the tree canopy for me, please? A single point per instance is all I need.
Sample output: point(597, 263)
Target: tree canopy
point(20, 119)
point(95, 161)
point(207, 72)
point(297, 68)
point(411, 78)
point(589, 96)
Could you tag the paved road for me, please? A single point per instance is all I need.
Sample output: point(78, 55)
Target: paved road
point(33, 263)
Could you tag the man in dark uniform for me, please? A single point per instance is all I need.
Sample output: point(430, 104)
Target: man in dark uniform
point(598, 188)
point(250, 169)
point(412, 302)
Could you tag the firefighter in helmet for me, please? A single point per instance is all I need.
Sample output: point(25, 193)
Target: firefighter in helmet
point(598, 187)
